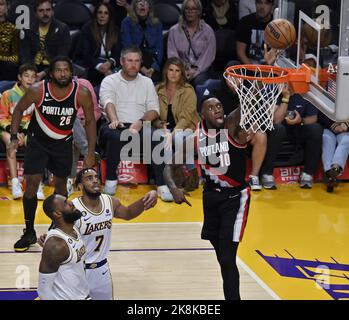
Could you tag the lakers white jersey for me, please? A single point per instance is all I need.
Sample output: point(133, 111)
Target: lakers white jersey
point(95, 228)
point(70, 282)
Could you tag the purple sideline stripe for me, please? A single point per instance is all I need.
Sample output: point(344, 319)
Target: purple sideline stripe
point(131, 250)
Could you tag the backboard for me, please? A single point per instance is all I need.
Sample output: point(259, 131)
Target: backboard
point(322, 41)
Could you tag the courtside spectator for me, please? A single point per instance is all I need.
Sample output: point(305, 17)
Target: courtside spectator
point(46, 39)
point(193, 41)
point(101, 44)
point(142, 29)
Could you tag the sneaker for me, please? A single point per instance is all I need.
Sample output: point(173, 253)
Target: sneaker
point(70, 186)
point(254, 183)
point(17, 191)
point(165, 194)
point(40, 194)
point(27, 239)
point(191, 181)
point(306, 181)
point(110, 187)
point(335, 170)
point(268, 181)
point(330, 181)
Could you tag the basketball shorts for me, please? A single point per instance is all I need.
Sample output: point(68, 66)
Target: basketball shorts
point(100, 283)
point(225, 214)
point(56, 156)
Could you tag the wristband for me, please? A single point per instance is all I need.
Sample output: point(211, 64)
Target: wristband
point(285, 100)
point(13, 137)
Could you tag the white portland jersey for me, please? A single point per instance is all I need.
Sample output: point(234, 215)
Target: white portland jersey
point(70, 282)
point(96, 228)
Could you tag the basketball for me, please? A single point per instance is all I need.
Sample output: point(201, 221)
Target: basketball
point(311, 35)
point(280, 34)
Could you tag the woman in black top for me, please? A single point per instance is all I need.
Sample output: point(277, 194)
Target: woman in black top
point(100, 44)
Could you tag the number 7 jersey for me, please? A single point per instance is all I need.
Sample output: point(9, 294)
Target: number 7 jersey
point(54, 118)
point(95, 228)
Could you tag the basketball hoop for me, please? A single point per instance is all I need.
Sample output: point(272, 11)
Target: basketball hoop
point(258, 88)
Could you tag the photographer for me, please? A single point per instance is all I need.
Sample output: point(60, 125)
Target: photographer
point(296, 119)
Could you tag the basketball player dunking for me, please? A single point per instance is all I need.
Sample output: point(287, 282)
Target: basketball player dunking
point(50, 136)
point(226, 195)
point(61, 272)
point(95, 227)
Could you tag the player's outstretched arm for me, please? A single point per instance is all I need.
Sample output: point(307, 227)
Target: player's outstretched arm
point(85, 101)
point(55, 252)
point(187, 152)
point(135, 209)
point(232, 124)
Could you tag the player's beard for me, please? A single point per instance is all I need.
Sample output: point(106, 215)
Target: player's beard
point(92, 195)
point(72, 217)
point(62, 84)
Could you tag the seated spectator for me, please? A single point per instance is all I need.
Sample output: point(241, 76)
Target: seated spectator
point(221, 14)
point(120, 8)
point(178, 115)
point(130, 101)
point(46, 39)
point(193, 41)
point(296, 119)
point(79, 134)
point(144, 30)
point(250, 33)
point(100, 44)
point(8, 102)
point(9, 50)
point(335, 149)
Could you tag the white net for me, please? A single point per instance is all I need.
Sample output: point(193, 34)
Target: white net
point(257, 98)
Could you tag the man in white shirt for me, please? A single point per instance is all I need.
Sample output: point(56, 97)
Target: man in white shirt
point(130, 102)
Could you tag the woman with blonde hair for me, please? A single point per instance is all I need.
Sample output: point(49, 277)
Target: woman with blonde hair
point(193, 41)
point(142, 29)
point(178, 115)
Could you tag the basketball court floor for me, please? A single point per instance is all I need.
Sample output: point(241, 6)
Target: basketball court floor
point(295, 247)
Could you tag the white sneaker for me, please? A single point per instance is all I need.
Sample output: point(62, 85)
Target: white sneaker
point(17, 191)
point(70, 186)
point(40, 195)
point(165, 194)
point(110, 187)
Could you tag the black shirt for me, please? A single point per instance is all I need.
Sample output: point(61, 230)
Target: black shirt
point(170, 119)
point(251, 32)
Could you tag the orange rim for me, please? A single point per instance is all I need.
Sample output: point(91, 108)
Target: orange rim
point(281, 74)
point(298, 79)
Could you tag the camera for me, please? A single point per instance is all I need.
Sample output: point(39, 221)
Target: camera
point(291, 115)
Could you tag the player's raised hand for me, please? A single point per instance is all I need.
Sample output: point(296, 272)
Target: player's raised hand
point(89, 160)
point(179, 196)
point(150, 200)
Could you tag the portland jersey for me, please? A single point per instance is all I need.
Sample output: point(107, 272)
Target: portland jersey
point(54, 118)
point(96, 228)
point(70, 282)
point(222, 160)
